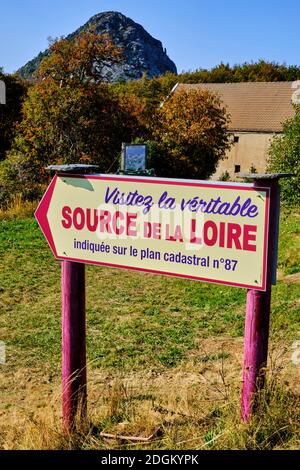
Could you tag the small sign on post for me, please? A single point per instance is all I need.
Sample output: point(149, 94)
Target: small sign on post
point(134, 157)
point(134, 160)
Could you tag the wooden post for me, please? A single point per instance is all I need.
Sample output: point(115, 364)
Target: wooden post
point(258, 308)
point(74, 383)
point(74, 388)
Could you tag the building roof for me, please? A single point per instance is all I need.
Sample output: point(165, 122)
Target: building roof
point(253, 106)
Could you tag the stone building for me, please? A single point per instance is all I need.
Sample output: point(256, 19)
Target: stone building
point(257, 111)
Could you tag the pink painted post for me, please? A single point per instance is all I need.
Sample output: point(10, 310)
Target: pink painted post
point(74, 384)
point(258, 312)
point(74, 389)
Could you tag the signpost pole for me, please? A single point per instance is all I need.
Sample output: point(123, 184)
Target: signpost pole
point(74, 381)
point(258, 307)
point(74, 387)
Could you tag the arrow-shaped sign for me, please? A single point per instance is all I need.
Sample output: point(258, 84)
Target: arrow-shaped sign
point(41, 215)
point(200, 230)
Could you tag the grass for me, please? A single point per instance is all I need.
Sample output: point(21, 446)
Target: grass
point(163, 353)
point(18, 209)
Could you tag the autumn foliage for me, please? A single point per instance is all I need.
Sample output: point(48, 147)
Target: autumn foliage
point(81, 60)
point(284, 157)
point(10, 113)
point(191, 132)
point(71, 115)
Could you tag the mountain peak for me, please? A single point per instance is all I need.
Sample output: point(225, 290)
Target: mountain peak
point(143, 53)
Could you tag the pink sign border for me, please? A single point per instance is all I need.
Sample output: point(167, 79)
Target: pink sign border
point(42, 219)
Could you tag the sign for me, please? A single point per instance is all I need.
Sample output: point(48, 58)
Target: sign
point(202, 230)
point(134, 157)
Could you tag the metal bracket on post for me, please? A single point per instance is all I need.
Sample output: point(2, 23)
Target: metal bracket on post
point(259, 302)
point(74, 382)
point(74, 168)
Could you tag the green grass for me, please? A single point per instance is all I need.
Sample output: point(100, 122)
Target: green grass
point(289, 242)
point(139, 325)
point(132, 319)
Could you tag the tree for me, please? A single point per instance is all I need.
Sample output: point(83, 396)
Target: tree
point(10, 113)
point(284, 157)
point(152, 91)
point(157, 89)
point(191, 135)
point(80, 60)
point(70, 116)
point(261, 71)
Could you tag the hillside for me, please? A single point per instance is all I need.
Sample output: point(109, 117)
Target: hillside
point(143, 53)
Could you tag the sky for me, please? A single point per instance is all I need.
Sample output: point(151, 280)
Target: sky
point(196, 33)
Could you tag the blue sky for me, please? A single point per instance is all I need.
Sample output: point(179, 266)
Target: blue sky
point(196, 33)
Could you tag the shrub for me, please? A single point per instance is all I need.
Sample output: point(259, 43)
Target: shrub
point(284, 157)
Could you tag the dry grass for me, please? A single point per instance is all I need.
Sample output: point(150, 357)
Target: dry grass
point(194, 406)
point(19, 209)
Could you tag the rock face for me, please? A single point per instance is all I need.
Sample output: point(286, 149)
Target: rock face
point(143, 54)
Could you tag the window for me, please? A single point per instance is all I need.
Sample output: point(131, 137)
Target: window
point(237, 168)
point(236, 139)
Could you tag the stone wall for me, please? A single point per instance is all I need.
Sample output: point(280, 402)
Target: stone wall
point(249, 149)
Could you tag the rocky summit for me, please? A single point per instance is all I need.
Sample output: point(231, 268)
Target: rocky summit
point(143, 54)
